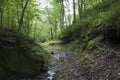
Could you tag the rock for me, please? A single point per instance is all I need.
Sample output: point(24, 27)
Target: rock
point(118, 74)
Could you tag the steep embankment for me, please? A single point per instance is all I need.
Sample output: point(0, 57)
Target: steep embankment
point(19, 55)
point(97, 40)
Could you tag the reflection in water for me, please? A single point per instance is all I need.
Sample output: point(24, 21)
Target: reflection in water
point(56, 56)
point(51, 74)
point(52, 70)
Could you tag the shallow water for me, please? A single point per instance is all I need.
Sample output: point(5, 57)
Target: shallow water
point(54, 65)
point(51, 74)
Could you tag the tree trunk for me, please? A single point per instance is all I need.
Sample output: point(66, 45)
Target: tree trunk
point(84, 2)
point(51, 33)
point(66, 21)
point(17, 12)
point(55, 30)
point(79, 9)
point(35, 30)
point(81, 6)
point(1, 17)
point(74, 12)
point(22, 16)
point(62, 14)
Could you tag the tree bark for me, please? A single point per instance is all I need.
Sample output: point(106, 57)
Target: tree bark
point(51, 33)
point(22, 16)
point(79, 8)
point(74, 12)
point(17, 12)
point(62, 14)
point(1, 17)
point(84, 2)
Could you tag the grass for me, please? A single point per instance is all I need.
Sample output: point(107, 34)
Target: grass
point(49, 43)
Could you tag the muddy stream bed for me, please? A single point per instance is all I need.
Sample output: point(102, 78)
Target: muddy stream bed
point(62, 66)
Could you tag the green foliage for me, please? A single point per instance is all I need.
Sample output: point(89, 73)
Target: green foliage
point(86, 39)
point(86, 58)
point(20, 54)
point(99, 13)
point(80, 32)
point(94, 42)
point(39, 51)
point(73, 45)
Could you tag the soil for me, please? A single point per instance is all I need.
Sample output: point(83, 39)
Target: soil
point(64, 65)
point(104, 66)
point(18, 55)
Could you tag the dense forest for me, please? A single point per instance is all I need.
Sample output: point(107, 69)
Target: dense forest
point(59, 40)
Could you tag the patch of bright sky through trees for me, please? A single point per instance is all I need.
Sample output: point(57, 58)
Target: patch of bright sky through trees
point(42, 4)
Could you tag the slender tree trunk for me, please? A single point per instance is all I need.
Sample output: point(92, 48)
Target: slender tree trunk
point(35, 30)
point(84, 2)
point(22, 16)
point(66, 21)
point(55, 29)
point(29, 28)
point(17, 12)
point(51, 33)
point(74, 12)
point(118, 30)
point(1, 17)
point(8, 20)
point(79, 8)
point(62, 14)
point(69, 20)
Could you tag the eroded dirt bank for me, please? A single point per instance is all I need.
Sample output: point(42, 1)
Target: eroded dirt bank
point(62, 66)
point(66, 66)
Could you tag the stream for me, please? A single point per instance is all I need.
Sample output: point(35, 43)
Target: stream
point(62, 66)
point(54, 64)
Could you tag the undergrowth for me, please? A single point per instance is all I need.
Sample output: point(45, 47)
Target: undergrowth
point(97, 21)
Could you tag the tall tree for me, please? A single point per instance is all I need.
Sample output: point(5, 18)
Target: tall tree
point(79, 8)
point(74, 12)
point(62, 15)
point(22, 16)
point(84, 6)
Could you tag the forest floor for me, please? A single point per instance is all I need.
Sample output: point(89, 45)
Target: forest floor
point(64, 65)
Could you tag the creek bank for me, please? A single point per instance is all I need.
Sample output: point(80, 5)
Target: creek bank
point(92, 64)
point(62, 65)
point(18, 58)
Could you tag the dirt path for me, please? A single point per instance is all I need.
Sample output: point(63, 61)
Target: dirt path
point(66, 66)
point(63, 66)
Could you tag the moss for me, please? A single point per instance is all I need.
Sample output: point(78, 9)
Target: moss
point(18, 62)
point(17, 55)
point(94, 42)
point(86, 58)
